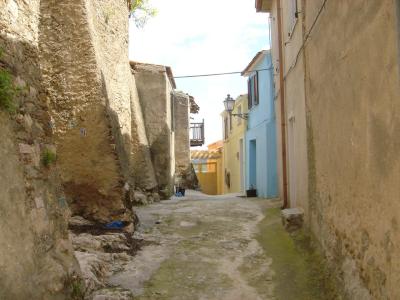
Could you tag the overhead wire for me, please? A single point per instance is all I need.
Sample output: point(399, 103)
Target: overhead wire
point(218, 74)
point(307, 35)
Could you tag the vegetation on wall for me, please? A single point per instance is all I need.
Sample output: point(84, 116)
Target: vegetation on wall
point(8, 91)
point(48, 158)
point(141, 11)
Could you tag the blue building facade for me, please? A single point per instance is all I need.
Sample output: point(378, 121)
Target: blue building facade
point(261, 156)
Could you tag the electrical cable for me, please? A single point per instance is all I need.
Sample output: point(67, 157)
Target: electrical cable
point(218, 74)
point(306, 39)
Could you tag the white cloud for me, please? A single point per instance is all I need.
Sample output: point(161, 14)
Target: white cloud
point(197, 37)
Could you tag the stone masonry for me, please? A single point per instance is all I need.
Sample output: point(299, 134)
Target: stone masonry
point(155, 86)
point(36, 255)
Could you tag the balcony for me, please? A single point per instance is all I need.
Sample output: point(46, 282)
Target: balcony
point(196, 134)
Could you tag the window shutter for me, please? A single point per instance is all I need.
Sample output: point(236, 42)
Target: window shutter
point(249, 92)
point(256, 100)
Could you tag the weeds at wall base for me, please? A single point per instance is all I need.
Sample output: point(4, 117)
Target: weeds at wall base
point(48, 158)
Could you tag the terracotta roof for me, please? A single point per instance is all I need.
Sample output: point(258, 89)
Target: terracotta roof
point(255, 60)
point(205, 154)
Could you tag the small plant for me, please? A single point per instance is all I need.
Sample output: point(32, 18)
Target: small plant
point(141, 11)
point(8, 91)
point(48, 158)
point(75, 286)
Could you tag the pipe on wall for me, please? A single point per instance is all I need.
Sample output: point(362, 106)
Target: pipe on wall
point(283, 113)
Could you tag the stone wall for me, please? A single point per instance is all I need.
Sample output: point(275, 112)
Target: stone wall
point(352, 97)
point(98, 123)
point(89, 166)
point(36, 257)
point(155, 90)
point(181, 126)
point(109, 29)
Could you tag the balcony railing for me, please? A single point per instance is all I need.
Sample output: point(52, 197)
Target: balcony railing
point(197, 134)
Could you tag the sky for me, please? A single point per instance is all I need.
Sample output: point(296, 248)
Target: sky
point(202, 37)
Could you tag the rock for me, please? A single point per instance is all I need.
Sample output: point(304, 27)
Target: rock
point(111, 243)
point(79, 221)
point(292, 218)
point(28, 122)
point(112, 294)
point(150, 198)
point(94, 268)
point(186, 224)
point(37, 130)
point(86, 242)
point(26, 149)
point(130, 228)
point(140, 198)
point(156, 197)
point(39, 202)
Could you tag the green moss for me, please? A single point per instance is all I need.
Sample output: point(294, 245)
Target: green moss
point(8, 92)
point(300, 272)
point(185, 278)
point(48, 158)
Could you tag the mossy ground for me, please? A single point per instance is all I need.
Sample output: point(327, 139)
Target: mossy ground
point(299, 270)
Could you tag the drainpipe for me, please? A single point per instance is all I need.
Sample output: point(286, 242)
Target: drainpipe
point(398, 32)
point(283, 113)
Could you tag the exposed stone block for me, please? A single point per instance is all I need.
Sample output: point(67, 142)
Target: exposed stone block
point(292, 218)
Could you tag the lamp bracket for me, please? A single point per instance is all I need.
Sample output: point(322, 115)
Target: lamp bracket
point(243, 116)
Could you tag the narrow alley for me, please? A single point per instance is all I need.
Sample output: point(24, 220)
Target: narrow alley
point(220, 247)
point(199, 150)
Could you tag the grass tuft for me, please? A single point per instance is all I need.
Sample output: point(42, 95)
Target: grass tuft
point(48, 158)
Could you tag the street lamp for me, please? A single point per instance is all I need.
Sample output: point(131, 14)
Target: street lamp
point(229, 103)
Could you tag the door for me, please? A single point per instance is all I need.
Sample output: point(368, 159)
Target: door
point(241, 166)
point(252, 164)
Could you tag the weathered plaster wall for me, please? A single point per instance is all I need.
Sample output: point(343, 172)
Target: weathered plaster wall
point(352, 92)
point(36, 256)
point(155, 98)
point(296, 129)
point(181, 125)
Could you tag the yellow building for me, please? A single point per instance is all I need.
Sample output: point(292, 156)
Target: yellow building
point(208, 167)
point(234, 129)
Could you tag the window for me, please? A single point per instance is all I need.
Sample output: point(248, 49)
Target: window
point(292, 16)
point(239, 111)
point(252, 90)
